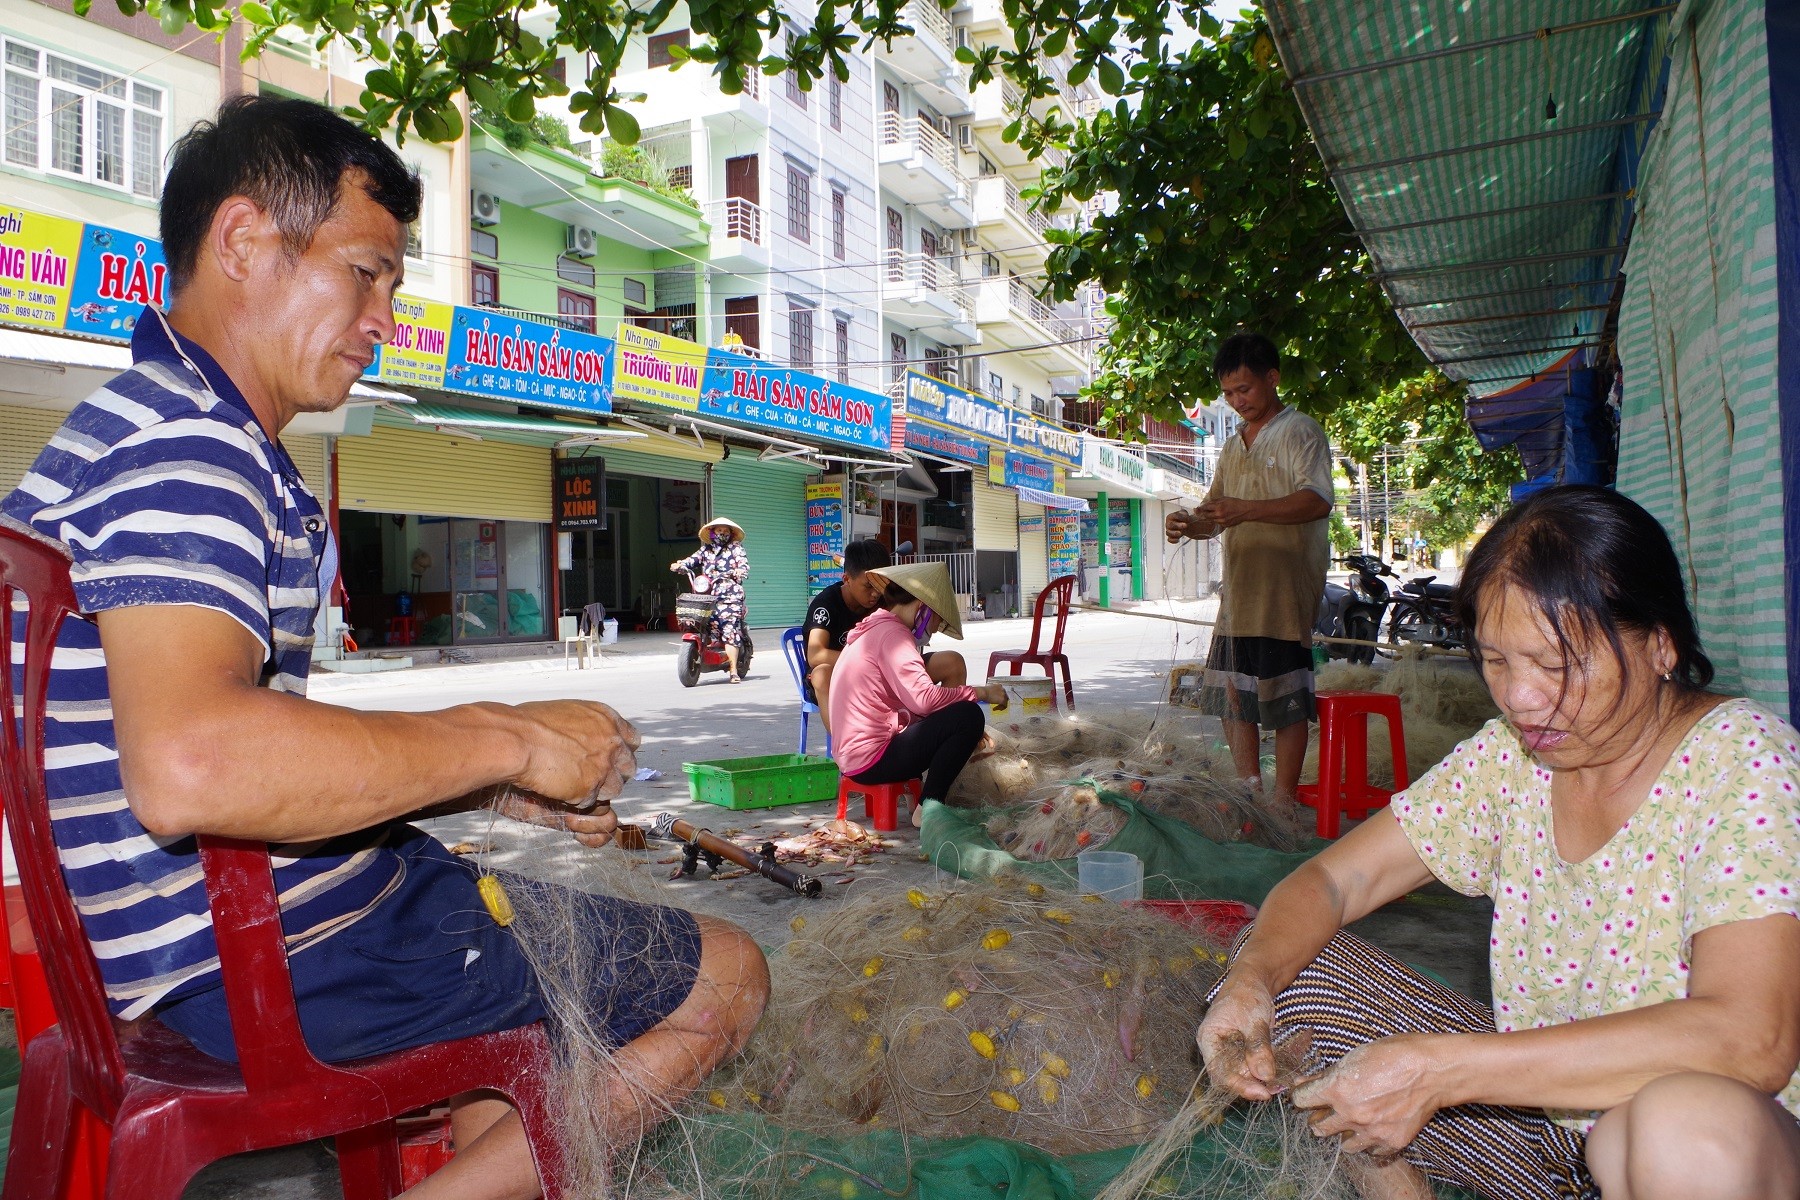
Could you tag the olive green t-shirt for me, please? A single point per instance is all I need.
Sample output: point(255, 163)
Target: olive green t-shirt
point(1274, 574)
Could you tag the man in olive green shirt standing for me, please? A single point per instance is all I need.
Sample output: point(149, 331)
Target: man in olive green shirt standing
point(1270, 498)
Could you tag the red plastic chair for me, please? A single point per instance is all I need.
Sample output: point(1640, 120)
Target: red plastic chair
point(1344, 789)
point(171, 1109)
point(1061, 592)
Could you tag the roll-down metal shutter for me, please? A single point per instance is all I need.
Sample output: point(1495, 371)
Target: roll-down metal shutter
point(996, 516)
point(769, 501)
point(24, 432)
point(433, 474)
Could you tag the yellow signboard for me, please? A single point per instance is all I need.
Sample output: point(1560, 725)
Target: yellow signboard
point(655, 368)
point(37, 267)
point(421, 342)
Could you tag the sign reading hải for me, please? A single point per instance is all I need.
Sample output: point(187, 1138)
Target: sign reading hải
point(527, 362)
point(782, 400)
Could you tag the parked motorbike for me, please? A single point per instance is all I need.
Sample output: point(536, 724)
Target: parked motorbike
point(1424, 613)
point(700, 650)
point(1354, 610)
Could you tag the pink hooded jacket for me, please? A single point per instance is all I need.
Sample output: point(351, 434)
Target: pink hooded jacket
point(877, 688)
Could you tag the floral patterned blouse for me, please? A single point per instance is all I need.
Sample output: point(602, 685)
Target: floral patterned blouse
point(1716, 841)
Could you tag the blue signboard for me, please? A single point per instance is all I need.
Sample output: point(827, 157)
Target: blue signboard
point(525, 362)
point(782, 400)
point(116, 275)
point(945, 420)
point(1046, 439)
point(1024, 471)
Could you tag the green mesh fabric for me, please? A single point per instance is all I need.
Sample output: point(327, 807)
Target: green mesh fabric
point(1179, 864)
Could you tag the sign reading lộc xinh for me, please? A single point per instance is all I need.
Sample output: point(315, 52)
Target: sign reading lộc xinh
point(578, 499)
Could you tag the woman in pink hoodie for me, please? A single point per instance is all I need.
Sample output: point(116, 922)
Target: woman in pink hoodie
point(889, 721)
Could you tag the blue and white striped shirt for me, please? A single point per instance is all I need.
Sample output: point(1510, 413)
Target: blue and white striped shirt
point(166, 490)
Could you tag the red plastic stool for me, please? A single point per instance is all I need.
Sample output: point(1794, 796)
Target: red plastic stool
point(880, 801)
point(1344, 789)
point(402, 631)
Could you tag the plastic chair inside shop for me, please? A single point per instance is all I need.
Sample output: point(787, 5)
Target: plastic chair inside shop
point(160, 1109)
point(1061, 593)
point(793, 645)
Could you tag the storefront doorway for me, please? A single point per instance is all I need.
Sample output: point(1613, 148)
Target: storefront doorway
point(440, 581)
point(600, 565)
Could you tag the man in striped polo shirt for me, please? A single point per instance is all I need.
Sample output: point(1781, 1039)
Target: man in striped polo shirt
point(177, 706)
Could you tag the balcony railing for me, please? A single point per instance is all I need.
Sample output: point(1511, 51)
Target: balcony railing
point(932, 274)
point(1025, 303)
point(578, 324)
point(1037, 221)
point(928, 19)
point(736, 217)
point(961, 566)
point(926, 138)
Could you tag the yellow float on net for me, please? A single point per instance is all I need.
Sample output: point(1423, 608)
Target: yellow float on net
point(1004, 1102)
point(995, 939)
point(1145, 1085)
point(915, 897)
point(874, 1046)
point(797, 924)
point(872, 968)
point(716, 1098)
point(1048, 1090)
point(1109, 979)
point(954, 998)
point(1055, 1064)
point(1061, 916)
point(984, 1045)
point(858, 1014)
point(914, 933)
point(1034, 890)
point(1014, 1076)
point(847, 1189)
point(494, 897)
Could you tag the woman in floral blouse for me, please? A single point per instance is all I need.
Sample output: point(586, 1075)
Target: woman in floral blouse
point(722, 560)
point(1640, 838)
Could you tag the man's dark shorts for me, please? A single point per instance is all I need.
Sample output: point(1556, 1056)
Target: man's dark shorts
point(1261, 680)
point(430, 965)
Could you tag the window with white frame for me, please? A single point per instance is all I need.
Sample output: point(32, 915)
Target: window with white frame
point(65, 116)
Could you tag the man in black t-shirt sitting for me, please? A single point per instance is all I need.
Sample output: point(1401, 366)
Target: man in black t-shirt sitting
point(835, 611)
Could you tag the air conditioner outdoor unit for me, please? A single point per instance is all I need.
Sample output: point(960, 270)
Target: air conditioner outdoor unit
point(579, 241)
point(484, 208)
point(970, 239)
point(943, 126)
point(965, 135)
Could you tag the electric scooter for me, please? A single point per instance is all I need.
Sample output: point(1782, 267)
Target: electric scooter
point(700, 651)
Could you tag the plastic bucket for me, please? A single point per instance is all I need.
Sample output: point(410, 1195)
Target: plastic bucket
point(1027, 695)
point(609, 631)
point(1113, 874)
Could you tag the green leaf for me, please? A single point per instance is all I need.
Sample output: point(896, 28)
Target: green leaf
point(486, 95)
point(255, 13)
point(966, 55)
point(1236, 144)
point(1112, 77)
point(1056, 43)
point(522, 107)
point(342, 17)
point(466, 14)
point(621, 126)
point(384, 82)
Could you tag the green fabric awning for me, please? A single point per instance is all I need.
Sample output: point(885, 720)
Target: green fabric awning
point(1487, 154)
point(475, 420)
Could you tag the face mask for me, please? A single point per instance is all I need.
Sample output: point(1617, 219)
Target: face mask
point(922, 625)
point(719, 537)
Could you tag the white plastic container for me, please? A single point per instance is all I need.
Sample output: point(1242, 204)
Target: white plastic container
point(1112, 874)
point(1027, 695)
point(609, 631)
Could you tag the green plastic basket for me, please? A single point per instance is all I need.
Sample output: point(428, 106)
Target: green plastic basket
point(766, 781)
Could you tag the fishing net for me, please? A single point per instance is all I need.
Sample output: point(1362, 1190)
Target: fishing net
point(1051, 774)
point(1442, 701)
point(1001, 1040)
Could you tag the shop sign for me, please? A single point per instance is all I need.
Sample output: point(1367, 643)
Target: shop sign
point(116, 275)
point(1024, 471)
point(1110, 463)
point(781, 400)
point(1181, 485)
point(657, 368)
point(525, 362)
point(1046, 439)
point(678, 505)
point(1031, 525)
point(419, 353)
point(946, 420)
point(1064, 532)
point(578, 500)
point(825, 520)
point(37, 267)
